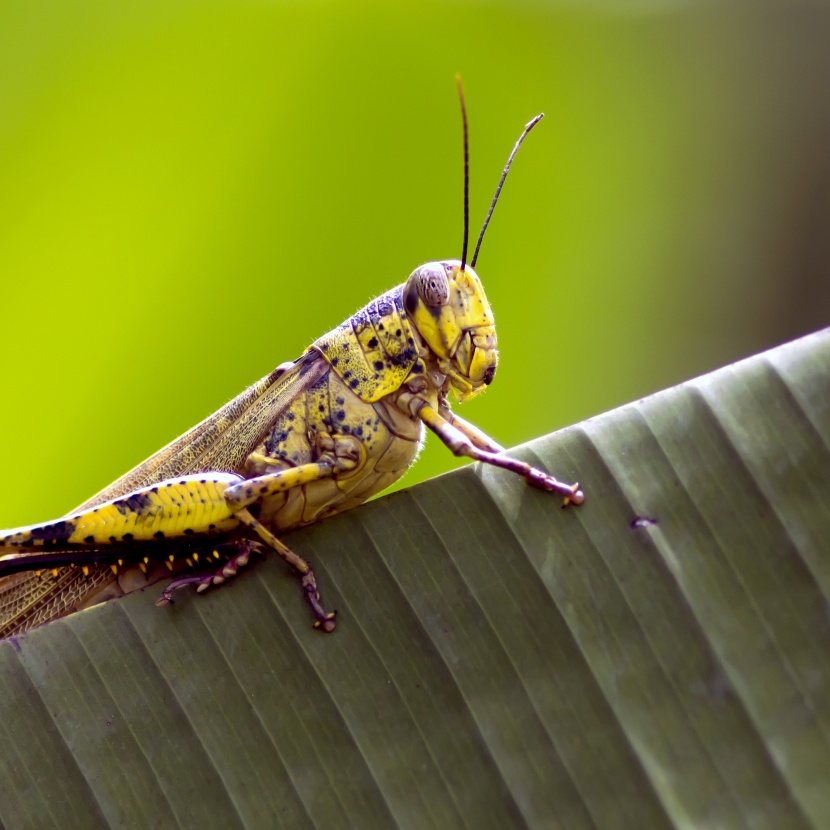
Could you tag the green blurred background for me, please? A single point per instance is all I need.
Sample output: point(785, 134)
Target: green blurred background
point(191, 192)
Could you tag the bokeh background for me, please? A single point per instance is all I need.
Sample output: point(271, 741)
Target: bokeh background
point(191, 192)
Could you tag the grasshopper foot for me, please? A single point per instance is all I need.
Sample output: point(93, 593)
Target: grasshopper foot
point(324, 620)
point(576, 496)
point(202, 583)
point(571, 494)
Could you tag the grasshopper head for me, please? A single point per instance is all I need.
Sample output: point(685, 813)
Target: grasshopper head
point(451, 313)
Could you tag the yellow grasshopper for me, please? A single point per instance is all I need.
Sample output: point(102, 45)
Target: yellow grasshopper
point(315, 437)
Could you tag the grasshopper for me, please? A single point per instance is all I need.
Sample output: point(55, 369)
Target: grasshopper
point(316, 436)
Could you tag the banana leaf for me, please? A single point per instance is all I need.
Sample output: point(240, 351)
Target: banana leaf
point(656, 658)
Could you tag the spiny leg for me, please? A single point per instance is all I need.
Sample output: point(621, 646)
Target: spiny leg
point(322, 619)
point(462, 439)
point(336, 454)
point(244, 547)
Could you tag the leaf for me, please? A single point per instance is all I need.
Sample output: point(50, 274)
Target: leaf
point(656, 658)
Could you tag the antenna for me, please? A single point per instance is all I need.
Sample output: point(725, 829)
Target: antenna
point(528, 127)
point(466, 174)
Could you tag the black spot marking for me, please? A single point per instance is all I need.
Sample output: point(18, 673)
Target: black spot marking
point(373, 343)
point(290, 416)
point(189, 531)
point(113, 539)
point(89, 539)
point(405, 358)
point(211, 527)
point(335, 361)
point(58, 530)
point(354, 383)
point(340, 415)
point(324, 347)
point(344, 346)
point(128, 537)
point(378, 364)
point(136, 503)
point(382, 307)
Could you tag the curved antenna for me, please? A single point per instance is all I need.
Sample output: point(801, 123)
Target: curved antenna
point(528, 127)
point(466, 174)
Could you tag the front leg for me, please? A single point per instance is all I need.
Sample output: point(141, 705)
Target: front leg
point(481, 439)
point(465, 440)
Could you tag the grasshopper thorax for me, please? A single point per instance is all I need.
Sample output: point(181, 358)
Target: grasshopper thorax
point(447, 306)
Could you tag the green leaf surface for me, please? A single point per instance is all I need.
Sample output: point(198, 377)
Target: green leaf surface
point(498, 662)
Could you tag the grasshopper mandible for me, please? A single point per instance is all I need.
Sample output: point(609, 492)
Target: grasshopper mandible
point(313, 438)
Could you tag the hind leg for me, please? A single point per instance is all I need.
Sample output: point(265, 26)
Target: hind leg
point(338, 454)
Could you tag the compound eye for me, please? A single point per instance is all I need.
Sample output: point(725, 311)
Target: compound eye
point(433, 287)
